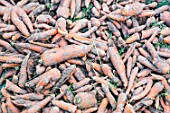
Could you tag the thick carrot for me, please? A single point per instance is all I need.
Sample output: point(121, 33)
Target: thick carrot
point(18, 23)
point(122, 98)
point(68, 52)
point(14, 88)
point(157, 88)
point(146, 63)
point(148, 13)
point(65, 76)
point(3, 10)
point(133, 75)
point(31, 47)
point(81, 83)
point(144, 73)
point(136, 29)
point(146, 90)
point(118, 63)
point(133, 38)
point(38, 106)
point(23, 71)
point(138, 90)
point(29, 7)
point(38, 10)
point(65, 106)
point(42, 35)
point(103, 105)
point(7, 46)
point(11, 106)
point(79, 75)
point(85, 100)
point(165, 31)
point(109, 96)
point(24, 103)
point(162, 66)
point(107, 71)
point(7, 4)
point(147, 33)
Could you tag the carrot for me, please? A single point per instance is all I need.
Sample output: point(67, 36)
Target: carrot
point(22, 2)
point(29, 7)
point(29, 96)
point(23, 73)
point(129, 66)
point(63, 90)
point(41, 26)
point(70, 49)
point(162, 66)
point(65, 106)
point(25, 18)
point(70, 96)
point(8, 28)
point(146, 13)
point(56, 38)
point(7, 46)
point(11, 106)
point(79, 74)
point(84, 88)
point(138, 90)
point(24, 103)
point(31, 47)
point(81, 83)
point(122, 98)
point(102, 81)
point(8, 35)
point(72, 8)
point(133, 38)
point(7, 74)
point(167, 40)
point(129, 52)
point(76, 61)
point(81, 100)
point(107, 71)
point(115, 58)
point(54, 110)
point(165, 17)
point(5, 93)
point(89, 110)
point(42, 35)
point(16, 36)
point(157, 87)
point(129, 109)
point(78, 6)
point(7, 4)
point(145, 53)
point(38, 10)
point(165, 31)
point(17, 22)
point(51, 75)
point(113, 28)
point(165, 107)
point(103, 105)
point(161, 9)
point(146, 63)
point(144, 73)
point(14, 88)
point(3, 10)
point(136, 29)
point(95, 12)
point(38, 106)
point(65, 76)
point(149, 32)
point(146, 90)
point(71, 79)
point(4, 108)
point(109, 96)
point(133, 75)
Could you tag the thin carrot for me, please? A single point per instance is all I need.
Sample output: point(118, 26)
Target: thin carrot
point(84, 88)
point(89, 110)
point(133, 38)
point(5, 93)
point(81, 83)
point(165, 107)
point(129, 66)
point(136, 29)
point(103, 105)
point(7, 46)
point(11, 106)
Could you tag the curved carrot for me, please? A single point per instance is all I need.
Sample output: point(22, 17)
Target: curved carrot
point(7, 46)
point(145, 53)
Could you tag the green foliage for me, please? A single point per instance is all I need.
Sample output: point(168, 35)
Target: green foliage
point(49, 6)
point(113, 84)
point(87, 11)
point(157, 24)
point(149, 1)
point(161, 44)
point(163, 2)
point(110, 34)
point(164, 93)
point(121, 50)
point(70, 88)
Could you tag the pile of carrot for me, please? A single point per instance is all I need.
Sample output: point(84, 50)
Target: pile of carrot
point(84, 56)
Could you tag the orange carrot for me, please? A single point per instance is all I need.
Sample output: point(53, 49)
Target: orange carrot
point(149, 32)
point(76, 61)
point(115, 58)
point(133, 38)
point(122, 98)
point(11, 106)
point(3, 107)
point(89, 110)
point(133, 75)
point(65, 106)
point(136, 29)
point(5, 93)
point(167, 40)
point(14, 88)
point(29, 7)
point(17, 22)
point(165, 107)
point(29, 96)
point(84, 88)
point(144, 73)
point(42, 35)
point(129, 109)
point(71, 51)
point(145, 53)
point(79, 74)
point(81, 83)
point(8, 35)
point(103, 105)
point(129, 66)
point(7, 46)
point(109, 96)
point(145, 92)
point(72, 8)
point(129, 52)
point(23, 73)
point(38, 106)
